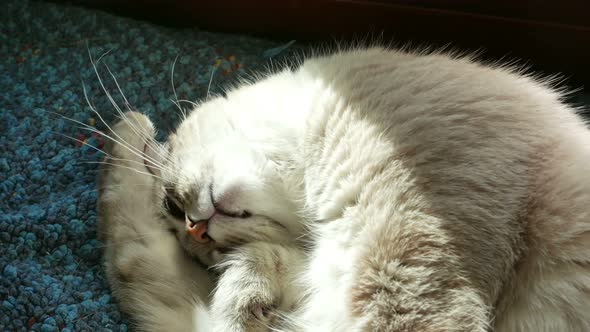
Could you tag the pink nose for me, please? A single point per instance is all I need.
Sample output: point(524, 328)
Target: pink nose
point(198, 230)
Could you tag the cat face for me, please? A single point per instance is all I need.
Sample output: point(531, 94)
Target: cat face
point(218, 190)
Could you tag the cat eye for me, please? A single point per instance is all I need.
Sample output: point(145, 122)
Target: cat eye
point(173, 208)
point(242, 215)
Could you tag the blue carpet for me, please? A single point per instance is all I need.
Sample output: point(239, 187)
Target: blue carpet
point(51, 275)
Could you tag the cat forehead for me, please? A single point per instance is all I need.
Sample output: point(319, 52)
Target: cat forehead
point(191, 156)
point(202, 132)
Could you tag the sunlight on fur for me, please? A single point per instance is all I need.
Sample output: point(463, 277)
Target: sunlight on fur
point(366, 190)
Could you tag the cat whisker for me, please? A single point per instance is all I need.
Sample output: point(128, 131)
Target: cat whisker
point(102, 55)
point(267, 326)
point(190, 102)
point(87, 127)
point(104, 89)
point(152, 160)
point(129, 108)
point(210, 81)
point(174, 88)
point(178, 106)
point(122, 142)
point(111, 159)
point(108, 186)
point(149, 141)
point(98, 150)
point(81, 142)
point(285, 319)
point(101, 151)
point(305, 234)
point(122, 166)
point(109, 96)
point(125, 101)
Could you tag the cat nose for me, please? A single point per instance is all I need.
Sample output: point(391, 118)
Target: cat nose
point(197, 230)
point(197, 226)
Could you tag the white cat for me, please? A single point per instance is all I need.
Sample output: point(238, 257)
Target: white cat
point(432, 194)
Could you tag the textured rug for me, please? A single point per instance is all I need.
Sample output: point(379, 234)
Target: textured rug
point(51, 276)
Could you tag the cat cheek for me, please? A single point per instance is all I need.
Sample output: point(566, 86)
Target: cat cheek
point(216, 255)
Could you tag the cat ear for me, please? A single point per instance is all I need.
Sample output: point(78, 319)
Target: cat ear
point(153, 157)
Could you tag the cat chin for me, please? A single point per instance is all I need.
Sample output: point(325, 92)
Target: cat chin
point(206, 254)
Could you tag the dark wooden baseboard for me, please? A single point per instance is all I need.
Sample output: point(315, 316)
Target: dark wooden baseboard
point(553, 35)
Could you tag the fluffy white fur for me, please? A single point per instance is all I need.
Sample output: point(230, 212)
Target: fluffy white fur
point(388, 191)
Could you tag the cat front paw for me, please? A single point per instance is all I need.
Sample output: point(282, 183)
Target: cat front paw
point(253, 288)
point(248, 309)
point(245, 300)
point(256, 310)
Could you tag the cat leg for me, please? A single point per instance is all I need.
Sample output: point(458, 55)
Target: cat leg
point(547, 296)
point(257, 287)
point(150, 275)
point(381, 280)
point(415, 285)
point(159, 285)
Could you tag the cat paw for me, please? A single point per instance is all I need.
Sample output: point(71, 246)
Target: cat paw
point(244, 302)
point(256, 287)
point(248, 293)
point(252, 308)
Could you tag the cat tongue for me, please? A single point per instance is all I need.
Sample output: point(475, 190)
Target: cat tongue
point(198, 231)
